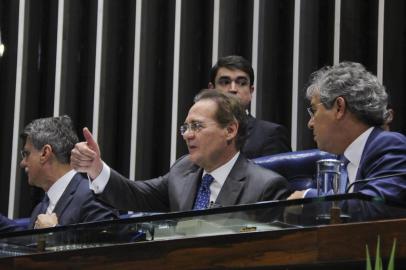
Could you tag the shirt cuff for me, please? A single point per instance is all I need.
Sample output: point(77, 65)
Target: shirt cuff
point(311, 192)
point(100, 182)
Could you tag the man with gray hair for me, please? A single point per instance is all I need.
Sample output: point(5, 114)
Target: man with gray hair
point(47, 143)
point(348, 107)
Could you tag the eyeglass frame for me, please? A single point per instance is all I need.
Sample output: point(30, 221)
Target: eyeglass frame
point(24, 153)
point(311, 111)
point(194, 126)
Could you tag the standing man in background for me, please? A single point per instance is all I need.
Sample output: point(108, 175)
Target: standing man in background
point(47, 143)
point(235, 75)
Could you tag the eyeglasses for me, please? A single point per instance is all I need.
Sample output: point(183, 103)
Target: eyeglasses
point(311, 109)
point(194, 126)
point(240, 81)
point(24, 153)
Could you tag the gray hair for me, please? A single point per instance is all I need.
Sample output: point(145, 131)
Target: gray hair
point(55, 131)
point(365, 96)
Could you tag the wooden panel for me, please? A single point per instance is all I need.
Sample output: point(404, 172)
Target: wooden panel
point(329, 247)
point(350, 242)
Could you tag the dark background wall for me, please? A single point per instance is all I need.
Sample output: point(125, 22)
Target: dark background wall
point(129, 69)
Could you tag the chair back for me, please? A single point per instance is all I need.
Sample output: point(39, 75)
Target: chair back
point(298, 167)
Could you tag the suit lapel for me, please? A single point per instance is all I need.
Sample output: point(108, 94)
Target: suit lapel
point(234, 184)
point(189, 182)
point(67, 195)
point(250, 124)
point(365, 152)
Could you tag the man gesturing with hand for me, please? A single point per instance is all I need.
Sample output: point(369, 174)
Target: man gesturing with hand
point(214, 172)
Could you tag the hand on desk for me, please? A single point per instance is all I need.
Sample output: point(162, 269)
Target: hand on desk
point(85, 157)
point(46, 221)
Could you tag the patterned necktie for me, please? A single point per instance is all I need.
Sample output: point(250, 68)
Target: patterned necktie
point(44, 204)
point(203, 195)
point(344, 174)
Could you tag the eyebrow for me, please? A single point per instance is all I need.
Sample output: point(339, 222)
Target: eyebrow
point(229, 77)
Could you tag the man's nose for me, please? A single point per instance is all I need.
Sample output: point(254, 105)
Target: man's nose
point(233, 87)
point(310, 123)
point(188, 134)
point(22, 163)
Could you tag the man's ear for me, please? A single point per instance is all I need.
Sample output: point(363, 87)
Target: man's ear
point(341, 107)
point(252, 88)
point(232, 130)
point(46, 153)
point(210, 86)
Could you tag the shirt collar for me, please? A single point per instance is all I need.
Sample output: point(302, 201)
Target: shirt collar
point(220, 174)
point(55, 191)
point(354, 151)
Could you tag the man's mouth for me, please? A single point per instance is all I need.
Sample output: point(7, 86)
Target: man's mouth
point(191, 147)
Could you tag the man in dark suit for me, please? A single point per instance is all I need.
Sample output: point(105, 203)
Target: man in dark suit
point(234, 74)
point(348, 108)
point(47, 143)
point(214, 172)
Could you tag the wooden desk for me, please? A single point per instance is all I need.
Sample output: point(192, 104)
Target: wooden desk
point(326, 247)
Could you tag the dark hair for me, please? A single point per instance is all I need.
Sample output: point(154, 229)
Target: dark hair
point(365, 96)
point(233, 62)
point(55, 131)
point(229, 109)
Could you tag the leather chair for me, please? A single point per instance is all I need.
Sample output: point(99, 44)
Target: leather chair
point(298, 167)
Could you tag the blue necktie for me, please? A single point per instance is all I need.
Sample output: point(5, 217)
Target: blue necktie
point(44, 204)
point(344, 174)
point(203, 195)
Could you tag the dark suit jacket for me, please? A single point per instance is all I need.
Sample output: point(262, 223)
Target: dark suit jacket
point(77, 204)
point(265, 138)
point(384, 153)
point(176, 191)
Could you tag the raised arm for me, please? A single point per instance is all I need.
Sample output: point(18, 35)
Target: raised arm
point(85, 157)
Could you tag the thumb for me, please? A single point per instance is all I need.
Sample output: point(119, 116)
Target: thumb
point(90, 140)
point(55, 217)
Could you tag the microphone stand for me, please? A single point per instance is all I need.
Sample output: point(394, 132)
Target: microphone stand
point(366, 180)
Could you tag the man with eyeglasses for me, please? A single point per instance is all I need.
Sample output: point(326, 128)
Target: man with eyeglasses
point(348, 108)
point(214, 172)
point(235, 75)
point(47, 143)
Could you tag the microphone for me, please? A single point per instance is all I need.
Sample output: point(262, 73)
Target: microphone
point(366, 180)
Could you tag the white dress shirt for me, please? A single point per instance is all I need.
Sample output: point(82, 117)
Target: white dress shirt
point(354, 152)
point(220, 175)
point(100, 182)
point(56, 190)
